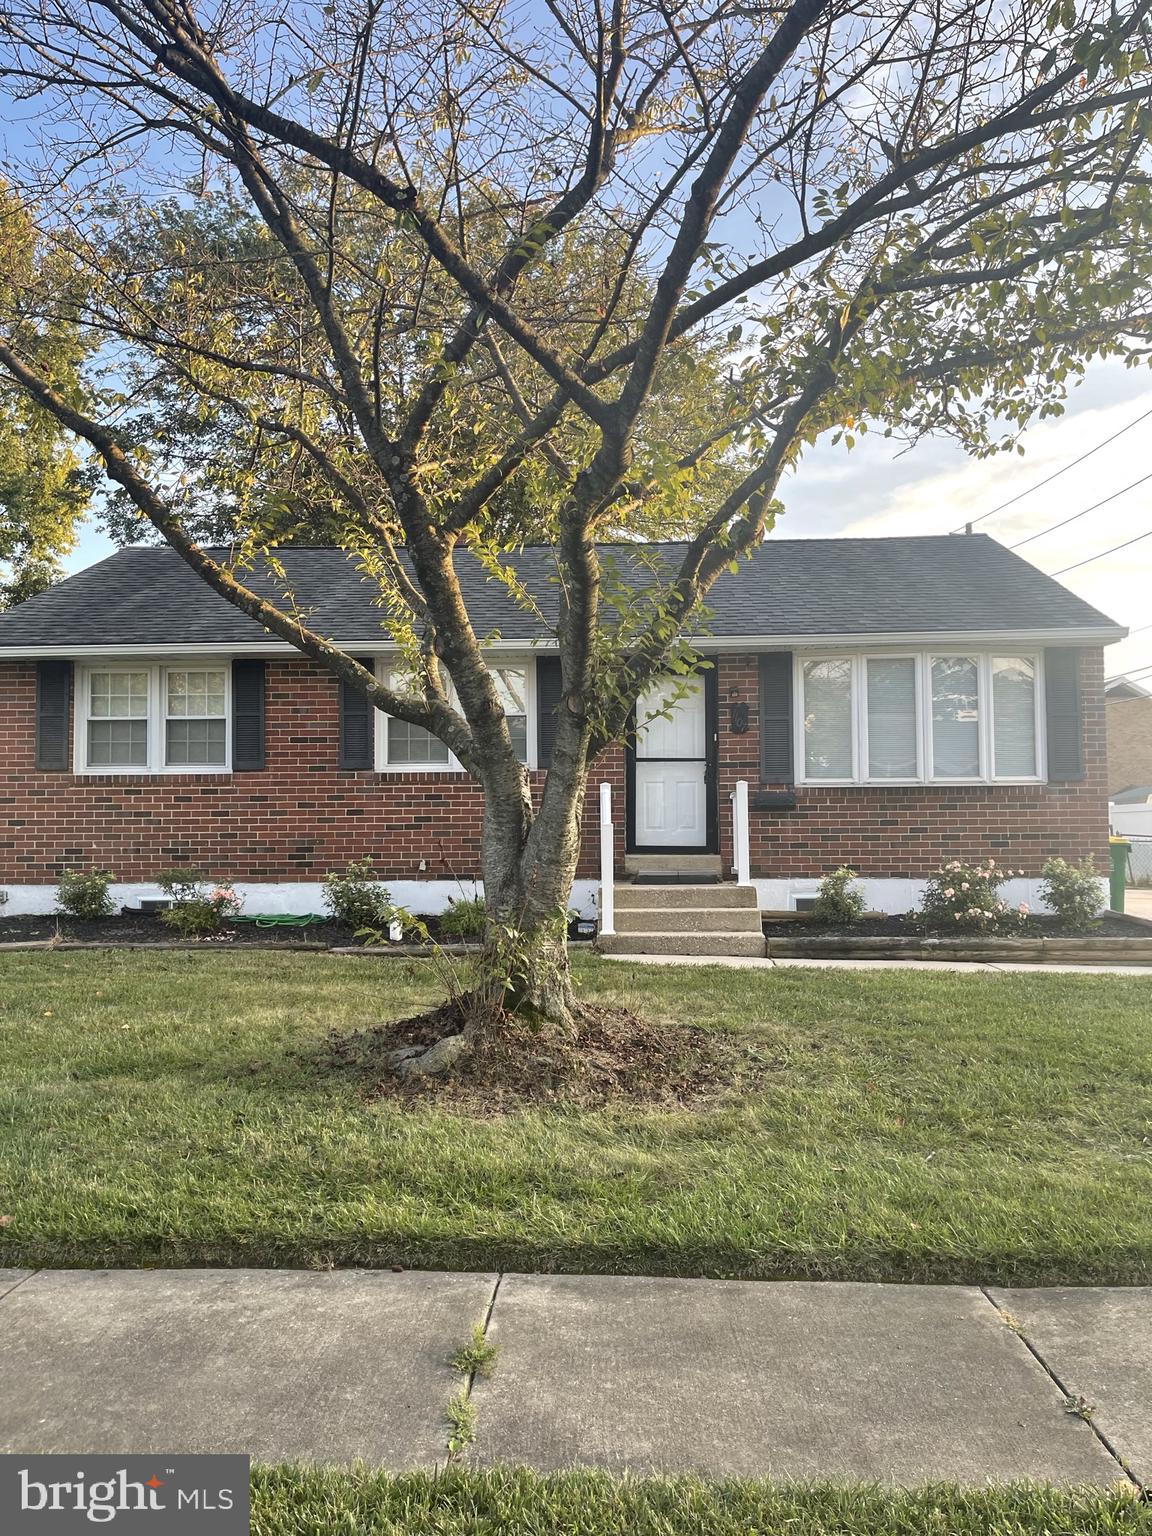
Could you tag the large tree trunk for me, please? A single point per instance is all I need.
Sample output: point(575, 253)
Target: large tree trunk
point(524, 981)
point(529, 863)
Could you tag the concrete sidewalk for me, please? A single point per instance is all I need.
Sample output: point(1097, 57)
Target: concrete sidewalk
point(901, 1384)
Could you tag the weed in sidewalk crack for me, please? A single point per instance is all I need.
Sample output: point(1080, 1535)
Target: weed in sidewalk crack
point(477, 1357)
point(461, 1416)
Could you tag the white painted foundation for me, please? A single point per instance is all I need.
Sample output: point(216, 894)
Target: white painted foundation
point(425, 898)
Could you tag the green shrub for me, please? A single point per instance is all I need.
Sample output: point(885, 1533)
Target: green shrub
point(965, 898)
point(838, 900)
point(1073, 891)
point(356, 898)
point(464, 919)
point(198, 911)
point(85, 896)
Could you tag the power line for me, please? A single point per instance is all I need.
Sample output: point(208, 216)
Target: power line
point(1136, 672)
point(1091, 558)
point(1011, 502)
point(1094, 508)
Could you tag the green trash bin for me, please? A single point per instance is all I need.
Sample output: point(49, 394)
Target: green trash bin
point(1118, 847)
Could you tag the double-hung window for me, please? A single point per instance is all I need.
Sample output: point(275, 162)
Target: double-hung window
point(196, 718)
point(152, 719)
point(413, 747)
point(116, 727)
point(926, 717)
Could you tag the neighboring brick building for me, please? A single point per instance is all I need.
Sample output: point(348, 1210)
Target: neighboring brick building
point(1129, 741)
point(890, 703)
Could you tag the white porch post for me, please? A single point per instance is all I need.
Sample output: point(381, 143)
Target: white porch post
point(740, 839)
point(607, 863)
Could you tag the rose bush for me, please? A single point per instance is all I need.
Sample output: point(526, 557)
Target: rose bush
point(965, 898)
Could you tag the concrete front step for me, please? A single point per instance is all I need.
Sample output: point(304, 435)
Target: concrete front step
point(703, 865)
point(752, 945)
point(688, 920)
point(686, 896)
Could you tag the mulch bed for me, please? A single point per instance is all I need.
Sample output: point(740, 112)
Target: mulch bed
point(1112, 925)
point(616, 1057)
point(146, 928)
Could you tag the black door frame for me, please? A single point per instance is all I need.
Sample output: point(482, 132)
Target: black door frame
point(711, 764)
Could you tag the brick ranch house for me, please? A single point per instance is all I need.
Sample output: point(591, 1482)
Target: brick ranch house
point(888, 702)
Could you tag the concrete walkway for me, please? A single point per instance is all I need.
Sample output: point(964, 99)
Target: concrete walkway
point(747, 963)
point(1138, 901)
point(901, 1384)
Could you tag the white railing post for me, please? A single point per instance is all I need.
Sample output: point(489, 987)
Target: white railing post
point(607, 863)
point(740, 840)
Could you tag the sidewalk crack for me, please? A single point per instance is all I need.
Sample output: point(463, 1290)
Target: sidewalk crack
point(16, 1284)
point(1017, 1328)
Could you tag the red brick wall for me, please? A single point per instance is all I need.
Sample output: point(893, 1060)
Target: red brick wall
point(907, 830)
point(294, 821)
point(303, 815)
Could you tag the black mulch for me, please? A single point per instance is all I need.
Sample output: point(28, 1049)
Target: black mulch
point(1113, 925)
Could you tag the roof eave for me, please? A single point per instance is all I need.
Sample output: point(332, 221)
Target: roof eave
point(1101, 634)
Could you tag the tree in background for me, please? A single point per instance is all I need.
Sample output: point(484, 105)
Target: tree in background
point(43, 493)
point(452, 263)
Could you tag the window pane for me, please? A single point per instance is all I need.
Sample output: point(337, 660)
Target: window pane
point(511, 686)
point(117, 743)
point(118, 695)
point(892, 718)
point(413, 744)
point(518, 730)
point(199, 693)
point(1014, 716)
point(955, 718)
point(195, 743)
point(828, 719)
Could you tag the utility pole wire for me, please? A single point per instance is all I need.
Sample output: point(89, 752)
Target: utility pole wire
point(1091, 558)
point(1093, 508)
point(972, 521)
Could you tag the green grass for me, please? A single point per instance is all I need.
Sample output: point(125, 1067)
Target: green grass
point(289, 1501)
point(910, 1126)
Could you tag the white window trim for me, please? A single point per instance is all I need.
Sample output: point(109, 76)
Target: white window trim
point(383, 671)
point(923, 660)
point(157, 719)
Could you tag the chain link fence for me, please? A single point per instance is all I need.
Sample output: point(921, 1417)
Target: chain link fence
point(1140, 861)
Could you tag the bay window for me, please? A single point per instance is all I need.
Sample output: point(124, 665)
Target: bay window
point(152, 719)
point(955, 717)
point(828, 719)
point(928, 717)
point(893, 738)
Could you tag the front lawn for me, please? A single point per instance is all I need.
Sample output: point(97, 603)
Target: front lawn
point(289, 1501)
point(906, 1125)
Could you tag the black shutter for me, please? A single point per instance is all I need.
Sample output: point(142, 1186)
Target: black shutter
point(549, 687)
point(776, 717)
point(248, 683)
point(1065, 725)
point(53, 691)
point(356, 744)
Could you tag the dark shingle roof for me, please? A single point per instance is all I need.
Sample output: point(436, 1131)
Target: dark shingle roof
point(789, 587)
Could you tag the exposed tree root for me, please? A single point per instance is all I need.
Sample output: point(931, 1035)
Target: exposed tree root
point(488, 1062)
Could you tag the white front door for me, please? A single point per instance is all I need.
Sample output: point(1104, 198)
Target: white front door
point(671, 766)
